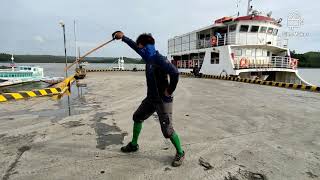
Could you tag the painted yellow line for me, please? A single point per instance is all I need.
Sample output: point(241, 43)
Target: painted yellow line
point(43, 92)
point(261, 82)
point(31, 94)
point(2, 98)
point(54, 91)
point(16, 95)
point(313, 88)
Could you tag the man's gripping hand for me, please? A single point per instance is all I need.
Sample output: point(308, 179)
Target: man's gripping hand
point(117, 35)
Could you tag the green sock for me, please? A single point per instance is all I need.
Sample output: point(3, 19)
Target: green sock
point(176, 142)
point(136, 131)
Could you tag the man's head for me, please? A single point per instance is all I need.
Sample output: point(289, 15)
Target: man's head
point(144, 39)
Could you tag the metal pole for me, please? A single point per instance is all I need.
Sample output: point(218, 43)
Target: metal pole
point(65, 54)
point(64, 42)
point(65, 47)
point(75, 39)
point(249, 7)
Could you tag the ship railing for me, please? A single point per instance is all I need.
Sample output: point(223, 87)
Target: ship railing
point(221, 40)
point(263, 62)
point(226, 39)
point(283, 43)
point(239, 39)
point(234, 38)
point(204, 43)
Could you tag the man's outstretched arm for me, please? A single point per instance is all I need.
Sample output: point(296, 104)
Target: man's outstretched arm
point(119, 35)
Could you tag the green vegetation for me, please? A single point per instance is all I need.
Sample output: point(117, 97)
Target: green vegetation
point(308, 60)
point(6, 58)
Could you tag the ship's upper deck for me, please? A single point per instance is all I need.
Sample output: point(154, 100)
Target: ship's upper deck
point(252, 30)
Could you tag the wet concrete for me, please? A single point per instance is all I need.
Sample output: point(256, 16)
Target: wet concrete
point(17, 140)
point(243, 131)
point(106, 134)
point(24, 87)
point(11, 167)
point(72, 124)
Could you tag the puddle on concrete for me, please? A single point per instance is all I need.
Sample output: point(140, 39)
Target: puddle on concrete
point(230, 177)
point(72, 124)
point(2, 135)
point(98, 117)
point(10, 171)
point(65, 109)
point(7, 119)
point(311, 175)
point(106, 135)
point(245, 174)
point(24, 87)
point(24, 149)
point(17, 140)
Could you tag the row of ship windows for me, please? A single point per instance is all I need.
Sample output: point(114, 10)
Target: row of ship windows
point(26, 69)
point(16, 75)
point(243, 29)
point(251, 52)
point(254, 29)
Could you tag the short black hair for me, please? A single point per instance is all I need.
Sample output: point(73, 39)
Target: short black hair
point(144, 39)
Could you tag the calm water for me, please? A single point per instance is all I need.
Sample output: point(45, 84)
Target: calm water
point(56, 69)
point(311, 75)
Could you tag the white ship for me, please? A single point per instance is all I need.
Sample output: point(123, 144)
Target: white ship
point(24, 74)
point(245, 46)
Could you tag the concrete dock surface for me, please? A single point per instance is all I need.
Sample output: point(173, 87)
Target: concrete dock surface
point(244, 131)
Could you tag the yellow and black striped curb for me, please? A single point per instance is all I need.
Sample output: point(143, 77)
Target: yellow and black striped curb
point(66, 83)
point(60, 88)
point(261, 82)
point(28, 94)
point(107, 70)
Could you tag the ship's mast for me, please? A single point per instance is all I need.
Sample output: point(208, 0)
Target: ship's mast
point(249, 7)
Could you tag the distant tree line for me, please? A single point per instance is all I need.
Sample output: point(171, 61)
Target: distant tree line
point(308, 60)
point(6, 58)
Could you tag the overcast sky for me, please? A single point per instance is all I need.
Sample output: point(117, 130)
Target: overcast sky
point(31, 26)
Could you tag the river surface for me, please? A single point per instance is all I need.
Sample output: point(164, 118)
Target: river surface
point(311, 75)
point(56, 70)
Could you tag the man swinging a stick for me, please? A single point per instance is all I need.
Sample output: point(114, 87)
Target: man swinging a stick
point(159, 93)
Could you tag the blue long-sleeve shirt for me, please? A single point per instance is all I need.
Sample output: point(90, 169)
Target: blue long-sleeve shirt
point(157, 70)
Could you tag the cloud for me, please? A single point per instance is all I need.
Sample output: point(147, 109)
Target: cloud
point(86, 44)
point(164, 19)
point(39, 39)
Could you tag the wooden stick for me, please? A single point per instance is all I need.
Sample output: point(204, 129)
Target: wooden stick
point(88, 53)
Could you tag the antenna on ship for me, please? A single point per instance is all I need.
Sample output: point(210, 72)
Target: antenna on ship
point(249, 7)
point(238, 5)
